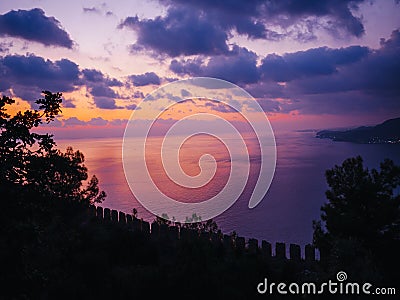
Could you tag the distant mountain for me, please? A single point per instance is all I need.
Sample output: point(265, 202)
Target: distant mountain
point(386, 133)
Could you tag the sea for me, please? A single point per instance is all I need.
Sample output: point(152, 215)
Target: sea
point(288, 209)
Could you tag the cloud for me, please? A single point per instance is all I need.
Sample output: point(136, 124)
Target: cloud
point(182, 31)
point(138, 95)
point(185, 93)
point(105, 103)
point(131, 106)
point(351, 80)
point(103, 91)
point(266, 89)
point(97, 122)
point(5, 47)
point(205, 27)
point(312, 62)
point(377, 73)
point(189, 66)
point(145, 79)
point(338, 15)
point(101, 9)
point(244, 17)
point(220, 107)
point(239, 66)
point(73, 121)
point(99, 86)
point(118, 122)
point(68, 103)
point(91, 10)
point(28, 75)
point(96, 76)
point(34, 25)
point(267, 105)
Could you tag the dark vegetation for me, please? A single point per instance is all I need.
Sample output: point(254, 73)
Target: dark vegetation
point(51, 249)
point(360, 228)
point(386, 133)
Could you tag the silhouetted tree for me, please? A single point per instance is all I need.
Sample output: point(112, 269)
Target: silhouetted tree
point(134, 212)
point(30, 160)
point(43, 201)
point(360, 226)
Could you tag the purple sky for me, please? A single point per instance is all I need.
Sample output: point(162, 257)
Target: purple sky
point(308, 63)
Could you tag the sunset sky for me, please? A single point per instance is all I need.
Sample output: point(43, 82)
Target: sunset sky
point(310, 64)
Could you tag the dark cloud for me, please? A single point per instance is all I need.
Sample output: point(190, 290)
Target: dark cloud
point(204, 27)
point(5, 47)
point(102, 9)
point(368, 84)
point(245, 17)
point(185, 93)
point(220, 107)
point(55, 123)
point(170, 79)
point(29, 75)
point(105, 103)
point(320, 80)
point(189, 66)
point(377, 73)
point(91, 10)
point(34, 25)
point(267, 105)
point(138, 94)
point(182, 31)
point(393, 43)
point(68, 103)
point(266, 89)
point(96, 76)
point(118, 122)
point(145, 79)
point(240, 66)
point(312, 62)
point(103, 91)
point(73, 121)
point(99, 121)
point(131, 106)
point(338, 14)
point(172, 97)
point(99, 86)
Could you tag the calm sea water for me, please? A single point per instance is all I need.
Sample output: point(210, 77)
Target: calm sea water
point(286, 212)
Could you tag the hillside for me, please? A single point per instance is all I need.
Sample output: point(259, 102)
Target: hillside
point(387, 132)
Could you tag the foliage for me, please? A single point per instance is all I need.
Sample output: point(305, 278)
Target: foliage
point(360, 224)
point(194, 222)
point(43, 200)
point(30, 159)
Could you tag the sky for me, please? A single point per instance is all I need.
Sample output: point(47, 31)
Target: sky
point(309, 64)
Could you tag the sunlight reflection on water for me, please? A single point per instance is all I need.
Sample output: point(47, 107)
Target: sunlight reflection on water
point(287, 211)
